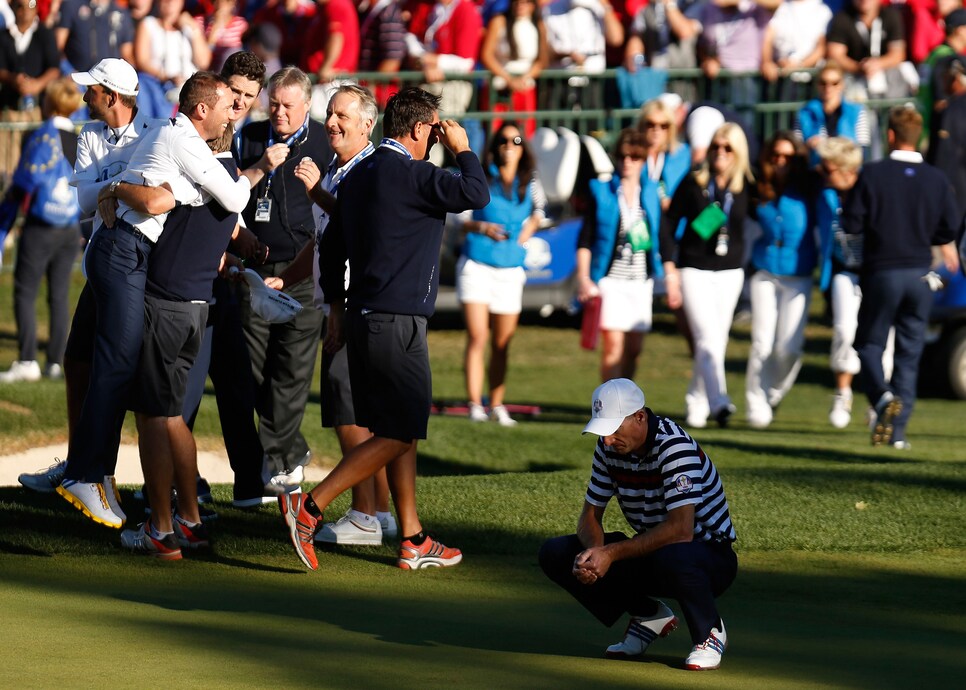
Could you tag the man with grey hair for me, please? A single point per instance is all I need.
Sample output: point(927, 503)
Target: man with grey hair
point(350, 117)
point(280, 215)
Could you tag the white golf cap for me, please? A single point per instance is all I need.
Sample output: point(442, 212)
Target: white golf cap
point(612, 402)
point(671, 101)
point(111, 73)
point(703, 122)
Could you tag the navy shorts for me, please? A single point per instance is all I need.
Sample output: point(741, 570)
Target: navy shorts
point(389, 369)
point(173, 332)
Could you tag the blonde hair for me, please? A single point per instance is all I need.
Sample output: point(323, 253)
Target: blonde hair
point(840, 152)
point(739, 171)
point(658, 107)
point(62, 97)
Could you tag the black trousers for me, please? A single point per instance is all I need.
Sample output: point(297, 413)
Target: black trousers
point(43, 251)
point(694, 573)
point(283, 362)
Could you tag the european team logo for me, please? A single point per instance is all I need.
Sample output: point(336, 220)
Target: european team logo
point(683, 483)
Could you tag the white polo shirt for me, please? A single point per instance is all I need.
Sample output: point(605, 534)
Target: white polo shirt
point(103, 153)
point(175, 153)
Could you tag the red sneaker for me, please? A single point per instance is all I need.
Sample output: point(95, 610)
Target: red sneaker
point(429, 554)
point(301, 527)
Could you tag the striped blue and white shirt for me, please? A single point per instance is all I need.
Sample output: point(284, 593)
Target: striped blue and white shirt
point(672, 471)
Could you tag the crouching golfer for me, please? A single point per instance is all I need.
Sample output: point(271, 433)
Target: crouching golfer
point(671, 495)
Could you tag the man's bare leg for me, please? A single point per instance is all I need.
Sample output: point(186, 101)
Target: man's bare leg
point(401, 474)
point(184, 456)
point(360, 463)
point(156, 453)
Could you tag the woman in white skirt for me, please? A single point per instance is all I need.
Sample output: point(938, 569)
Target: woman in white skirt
point(490, 274)
point(615, 258)
point(703, 269)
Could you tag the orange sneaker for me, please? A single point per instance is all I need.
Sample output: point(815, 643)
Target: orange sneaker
point(429, 554)
point(301, 527)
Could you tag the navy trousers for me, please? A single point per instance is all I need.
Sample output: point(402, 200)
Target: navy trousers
point(899, 298)
point(694, 573)
point(116, 264)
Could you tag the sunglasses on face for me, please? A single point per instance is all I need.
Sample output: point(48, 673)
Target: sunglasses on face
point(650, 124)
point(781, 155)
point(726, 148)
point(630, 156)
point(503, 141)
point(829, 82)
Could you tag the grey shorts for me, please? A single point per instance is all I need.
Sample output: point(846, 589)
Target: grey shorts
point(389, 369)
point(173, 332)
point(335, 389)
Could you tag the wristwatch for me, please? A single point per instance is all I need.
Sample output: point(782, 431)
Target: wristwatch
point(112, 188)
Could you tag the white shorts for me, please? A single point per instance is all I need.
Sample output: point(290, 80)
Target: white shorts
point(501, 289)
point(625, 305)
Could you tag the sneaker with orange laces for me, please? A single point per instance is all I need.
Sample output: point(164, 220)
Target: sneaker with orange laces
point(429, 554)
point(301, 527)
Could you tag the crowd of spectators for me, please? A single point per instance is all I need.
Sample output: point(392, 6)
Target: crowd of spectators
point(877, 42)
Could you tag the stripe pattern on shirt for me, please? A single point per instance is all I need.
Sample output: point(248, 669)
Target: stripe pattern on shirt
point(672, 472)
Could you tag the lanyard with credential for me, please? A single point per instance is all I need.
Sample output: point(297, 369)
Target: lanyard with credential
point(263, 206)
point(721, 246)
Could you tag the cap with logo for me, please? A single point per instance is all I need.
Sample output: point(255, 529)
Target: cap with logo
point(612, 402)
point(111, 73)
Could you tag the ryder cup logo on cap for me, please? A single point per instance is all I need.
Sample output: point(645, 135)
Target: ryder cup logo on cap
point(612, 402)
point(111, 73)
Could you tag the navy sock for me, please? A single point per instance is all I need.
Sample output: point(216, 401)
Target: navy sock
point(417, 539)
point(312, 508)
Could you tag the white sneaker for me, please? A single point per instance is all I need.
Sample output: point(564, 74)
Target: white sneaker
point(113, 496)
point(46, 481)
point(54, 372)
point(641, 632)
point(90, 499)
point(28, 370)
point(707, 655)
point(354, 529)
point(841, 412)
point(696, 422)
point(285, 482)
point(502, 417)
point(388, 524)
point(477, 413)
point(902, 445)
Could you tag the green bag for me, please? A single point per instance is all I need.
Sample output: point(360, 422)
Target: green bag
point(709, 221)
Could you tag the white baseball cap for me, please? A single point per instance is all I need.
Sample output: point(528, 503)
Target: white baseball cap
point(111, 73)
point(703, 122)
point(613, 401)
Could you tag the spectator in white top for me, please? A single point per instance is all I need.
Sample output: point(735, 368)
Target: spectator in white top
point(794, 40)
point(169, 46)
point(579, 31)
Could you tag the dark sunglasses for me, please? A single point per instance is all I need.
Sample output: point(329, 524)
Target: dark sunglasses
point(650, 124)
point(516, 141)
point(632, 156)
point(781, 155)
point(721, 147)
point(824, 82)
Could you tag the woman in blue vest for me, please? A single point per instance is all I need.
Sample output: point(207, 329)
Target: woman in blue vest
point(616, 258)
point(830, 115)
point(783, 259)
point(490, 275)
point(50, 237)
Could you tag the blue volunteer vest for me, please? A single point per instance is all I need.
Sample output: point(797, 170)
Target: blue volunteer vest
point(510, 212)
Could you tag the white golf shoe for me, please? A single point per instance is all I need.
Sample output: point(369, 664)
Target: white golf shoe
point(641, 632)
point(707, 655)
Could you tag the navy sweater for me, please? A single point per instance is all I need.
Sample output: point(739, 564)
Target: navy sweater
point(184, 262)
point(292, 222)
point(902, 209)
point(388, 222)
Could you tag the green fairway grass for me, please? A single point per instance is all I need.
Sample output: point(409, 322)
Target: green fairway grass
point(852, 559)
